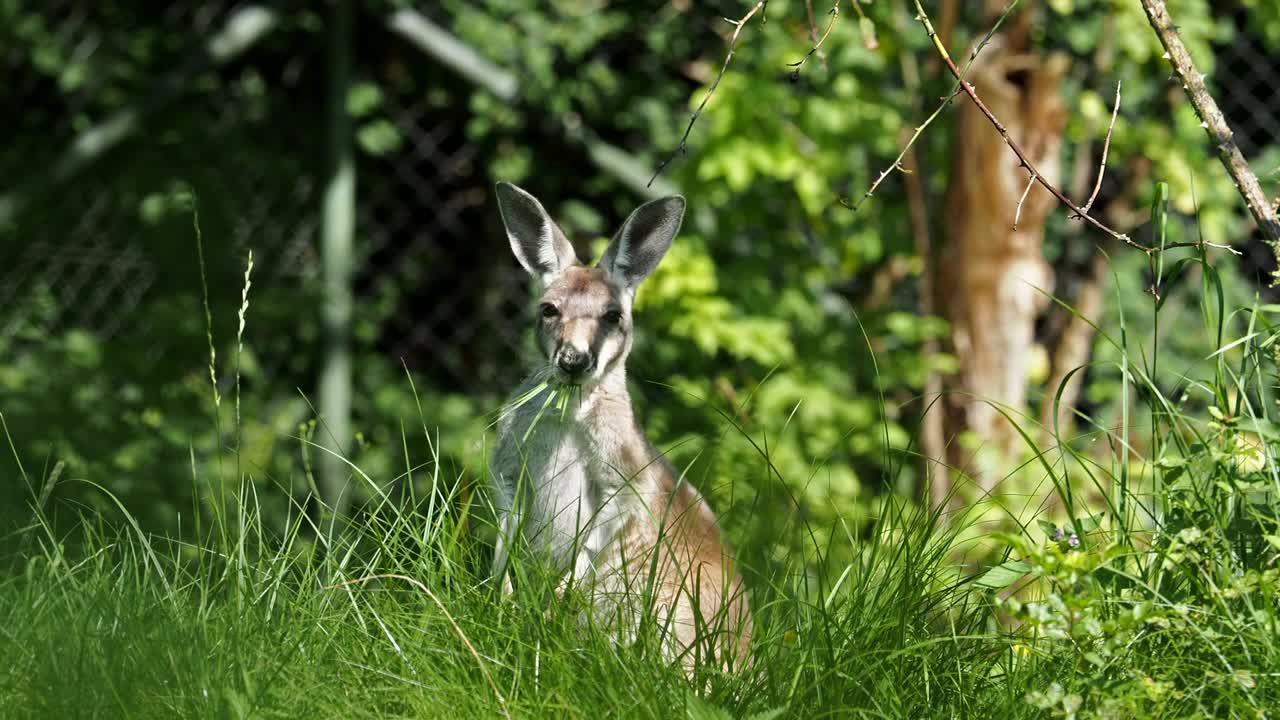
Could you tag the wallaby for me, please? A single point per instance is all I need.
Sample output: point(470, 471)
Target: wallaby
point(581, 488)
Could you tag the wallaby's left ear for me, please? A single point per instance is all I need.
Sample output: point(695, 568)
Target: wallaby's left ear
point(643, 239)
point(536, 240)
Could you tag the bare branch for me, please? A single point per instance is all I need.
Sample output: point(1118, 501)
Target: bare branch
point(834, 12)
point(1215, 124)
point(1013, 145)
point(1017, 214)
point(728, 58)
point(1106, 145)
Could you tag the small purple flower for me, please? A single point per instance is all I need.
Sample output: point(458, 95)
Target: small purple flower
point(1057, 534)
point(1074, 540)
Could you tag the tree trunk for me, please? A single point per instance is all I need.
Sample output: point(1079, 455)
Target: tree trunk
point(992, 278)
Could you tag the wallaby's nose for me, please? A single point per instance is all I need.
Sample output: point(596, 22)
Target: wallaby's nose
point(573, 362)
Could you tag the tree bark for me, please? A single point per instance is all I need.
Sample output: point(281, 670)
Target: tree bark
point(992, 279)
point(933, 437)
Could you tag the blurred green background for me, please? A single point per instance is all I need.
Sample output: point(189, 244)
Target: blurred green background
point(779, 310)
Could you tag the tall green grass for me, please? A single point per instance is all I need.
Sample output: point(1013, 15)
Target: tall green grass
point(1152, 592)
point(396, 617)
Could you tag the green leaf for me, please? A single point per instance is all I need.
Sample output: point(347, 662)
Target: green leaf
point(699, 709)
point(1170, 280)
point(1171, 476)
point(868, 30)
point(379, 137)
point(1088, 523)
point(1002, 576)
point(363, 98)
point(1265, 428)
point(766, 714)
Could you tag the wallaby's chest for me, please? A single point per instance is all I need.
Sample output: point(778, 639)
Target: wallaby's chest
point(563, 475)
point(573, 494)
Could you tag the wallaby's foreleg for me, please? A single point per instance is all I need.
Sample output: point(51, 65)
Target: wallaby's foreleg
point(507, 525)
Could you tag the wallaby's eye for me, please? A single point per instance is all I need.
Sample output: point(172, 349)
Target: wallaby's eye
point(549, 311)
point(613, 317)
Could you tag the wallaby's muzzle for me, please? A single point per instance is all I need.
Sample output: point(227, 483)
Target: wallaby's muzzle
point(574, 363)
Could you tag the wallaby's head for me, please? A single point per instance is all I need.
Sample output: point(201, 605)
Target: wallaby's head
point(583, 321)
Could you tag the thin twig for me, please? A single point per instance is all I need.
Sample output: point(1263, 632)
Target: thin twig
point(897, 163)
point(502, 702)
point(1013, 145)
point(733, 41)
point(1106, 145)
point(834, 12)
point(1017, 214)
point(813, 31)
point(1215, 124)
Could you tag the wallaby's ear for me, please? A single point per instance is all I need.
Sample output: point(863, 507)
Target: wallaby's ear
point(643, 239)
point(537, 242)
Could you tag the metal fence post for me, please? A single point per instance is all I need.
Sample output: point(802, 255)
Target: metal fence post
point(336, 250)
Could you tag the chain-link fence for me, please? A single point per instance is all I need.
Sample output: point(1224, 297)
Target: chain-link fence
point(94, 159)
point(96, 212)
point(1248, 78)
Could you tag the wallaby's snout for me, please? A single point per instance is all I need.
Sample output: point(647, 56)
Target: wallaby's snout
point(574, 363)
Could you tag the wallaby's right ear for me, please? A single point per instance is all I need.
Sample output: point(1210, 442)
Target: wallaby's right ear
point(538, 244)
